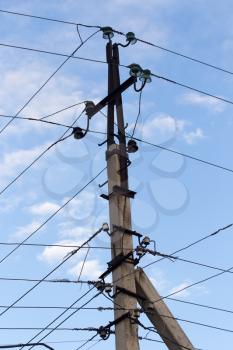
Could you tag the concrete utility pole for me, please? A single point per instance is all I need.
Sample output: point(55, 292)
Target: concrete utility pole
point(159, 314)
point(129, 285)
point(119, 210)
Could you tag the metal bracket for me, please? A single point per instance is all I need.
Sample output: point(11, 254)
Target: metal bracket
point(117, 190)
point(124, 86)
point(103, 184)
point(127, 231)
point(104, 196)
point(117, 261)
point(119, 319)
point(127, 292)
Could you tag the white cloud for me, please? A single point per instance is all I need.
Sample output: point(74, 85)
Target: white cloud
point(53, 254)
point(162, 123)
point(179, 290)
point(81, 207)
point(159, 280)
point(92, 269)
point(22, 232)
point(15, 160)
point(205, 101)
point(68, 230)
point(43, 208)
point(197, 290)
point(193, 136)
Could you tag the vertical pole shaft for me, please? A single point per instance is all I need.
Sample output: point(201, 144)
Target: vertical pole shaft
point(126, 337)
point(110, 122)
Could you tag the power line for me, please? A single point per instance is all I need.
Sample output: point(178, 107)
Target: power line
point(39, 156)
point(48, 19)
point(183, 55)
point(55, 213)
point(149, 339)
point(46, 82)
point(38, 328)
point(65, 281)
point(11, 346)
point(65, 259)
point(201, 305)
point(152, 329)
point(139, 112)
point(122, 65)
point(171, 150)
point(174, 52)
point(197, 323)
point(184, 155)
point(68, 317)
point(194, 243)
point(192, 88)
point(35, 120)
point(88, 341)
point(54, 245)
point(36, 307)
point(51, 53)
point(182, 249)
point(180, 319)
point(202, 265)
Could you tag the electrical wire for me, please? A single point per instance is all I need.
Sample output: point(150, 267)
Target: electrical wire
point(152, 329)
point(55, 245)
point(186, 57)
point(48, 19)
point(65, 259)
point(88, 341)
point(62, 138)
point(122, 65)
point(83, 264)
point(170, 150)
point(149, 339)
point(192, 88)
point(179, 54)
point(100, 308)
point(184, 155)
point(202, 265)
point(39, 156)
point(201, 305)
point(79, 34)
point(199, 324)
point(11, 346)
point(35, 119)
point(194, 243)
point(180, 250)
point(96, 342)
point(53, 53)
point(48, 115)
point(139, 112)
point(16, 279)
point(46, 82)
point(60, 315)
point(174, 52)
point(179, 319)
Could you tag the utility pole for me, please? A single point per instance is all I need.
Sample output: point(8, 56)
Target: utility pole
point(129, 285)
point(119, 211)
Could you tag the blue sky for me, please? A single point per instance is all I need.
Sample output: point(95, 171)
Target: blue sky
point(178, 200)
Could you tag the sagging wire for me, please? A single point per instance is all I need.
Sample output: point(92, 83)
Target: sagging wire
point(64, 260)
point(46, 82)
point(78, 31)
point(39, 156)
